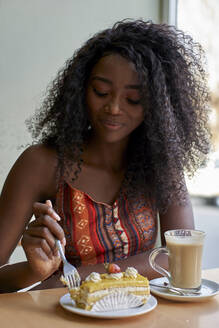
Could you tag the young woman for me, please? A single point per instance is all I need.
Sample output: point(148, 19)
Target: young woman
point(123, 121)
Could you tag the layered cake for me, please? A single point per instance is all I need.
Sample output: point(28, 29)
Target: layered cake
point(112, 290)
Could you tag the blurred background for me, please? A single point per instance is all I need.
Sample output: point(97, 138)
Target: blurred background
point(37, 37)
point(200, 18)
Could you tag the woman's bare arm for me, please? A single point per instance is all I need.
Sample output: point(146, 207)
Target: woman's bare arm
point(31, 179)
point(177, 217)
point(28, 181)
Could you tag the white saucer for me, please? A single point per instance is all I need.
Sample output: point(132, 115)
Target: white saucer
point(67, 303)
point(209, 289)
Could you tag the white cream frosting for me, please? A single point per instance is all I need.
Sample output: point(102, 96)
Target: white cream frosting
point(116, 276)
point(94, 277)
point(131, 272)
point(118, 289)
point(101, 293)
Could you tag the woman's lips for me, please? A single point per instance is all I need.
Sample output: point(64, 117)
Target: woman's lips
point(111, 124)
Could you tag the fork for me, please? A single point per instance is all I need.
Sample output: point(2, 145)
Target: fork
point(70, 272)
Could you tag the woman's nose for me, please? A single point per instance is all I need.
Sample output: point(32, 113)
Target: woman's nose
point(113, 107)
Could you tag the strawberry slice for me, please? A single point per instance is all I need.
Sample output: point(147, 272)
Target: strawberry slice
point(112, 268)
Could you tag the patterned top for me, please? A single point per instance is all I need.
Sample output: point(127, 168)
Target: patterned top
point(96, 232)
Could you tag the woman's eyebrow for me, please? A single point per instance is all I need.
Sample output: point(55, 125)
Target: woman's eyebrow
point(103, 79)
point(133, 86)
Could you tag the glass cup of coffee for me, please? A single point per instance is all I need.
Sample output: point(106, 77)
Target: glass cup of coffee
point(184, 249)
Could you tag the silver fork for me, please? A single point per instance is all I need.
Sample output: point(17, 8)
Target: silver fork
point(70, 272)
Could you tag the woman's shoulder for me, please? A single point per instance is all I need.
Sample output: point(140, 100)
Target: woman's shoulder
point(38, 158)
point(40, 154)
point(34, 174)
point(37, 163)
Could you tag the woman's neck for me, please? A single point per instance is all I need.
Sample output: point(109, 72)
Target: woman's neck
point(110, 156)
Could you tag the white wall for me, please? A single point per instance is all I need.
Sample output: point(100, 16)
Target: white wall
point(36, 38)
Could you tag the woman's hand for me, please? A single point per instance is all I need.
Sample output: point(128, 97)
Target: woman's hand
point(39, 240)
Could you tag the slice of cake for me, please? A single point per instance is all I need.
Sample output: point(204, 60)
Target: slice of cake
point(113, 290)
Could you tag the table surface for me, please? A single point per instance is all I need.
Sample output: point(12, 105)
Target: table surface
point(41, 309)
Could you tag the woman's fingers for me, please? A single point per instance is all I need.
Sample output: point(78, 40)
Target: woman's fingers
point(49, 203)
point(40, 258)
point(37, 245)
point(39, 239)
point(43, 233)
point(45, 209)
point(48, 227)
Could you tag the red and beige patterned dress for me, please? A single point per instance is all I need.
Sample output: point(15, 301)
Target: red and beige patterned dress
point(96, 232)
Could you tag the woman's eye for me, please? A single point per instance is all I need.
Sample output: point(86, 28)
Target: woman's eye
point(133, 102)
point(99, 94)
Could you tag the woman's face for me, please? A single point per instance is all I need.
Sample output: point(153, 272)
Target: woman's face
point(113, 98)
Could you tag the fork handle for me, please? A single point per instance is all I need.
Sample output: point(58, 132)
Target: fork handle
point(58, 244)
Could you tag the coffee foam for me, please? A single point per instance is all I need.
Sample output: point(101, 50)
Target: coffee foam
point(183, 241)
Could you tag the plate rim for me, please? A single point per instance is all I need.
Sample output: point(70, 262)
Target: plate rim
point(111, 314)
point(175, 297)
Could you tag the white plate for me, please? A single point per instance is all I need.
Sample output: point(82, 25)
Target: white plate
point(209, 289)
point(67, 303)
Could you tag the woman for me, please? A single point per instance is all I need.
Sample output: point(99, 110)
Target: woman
point(123, 121)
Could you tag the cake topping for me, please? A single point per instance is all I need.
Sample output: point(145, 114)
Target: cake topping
point(94, 277)
point(131, 272)
point(112, 268)
point(116, 276)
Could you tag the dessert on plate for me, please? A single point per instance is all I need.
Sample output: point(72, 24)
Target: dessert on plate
point(113, 290)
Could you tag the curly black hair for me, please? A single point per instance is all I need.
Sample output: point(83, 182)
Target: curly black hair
point(174, 136)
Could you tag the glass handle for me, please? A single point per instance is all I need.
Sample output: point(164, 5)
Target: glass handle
point(155, 252)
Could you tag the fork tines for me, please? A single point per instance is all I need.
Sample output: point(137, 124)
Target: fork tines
point(73, 280)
